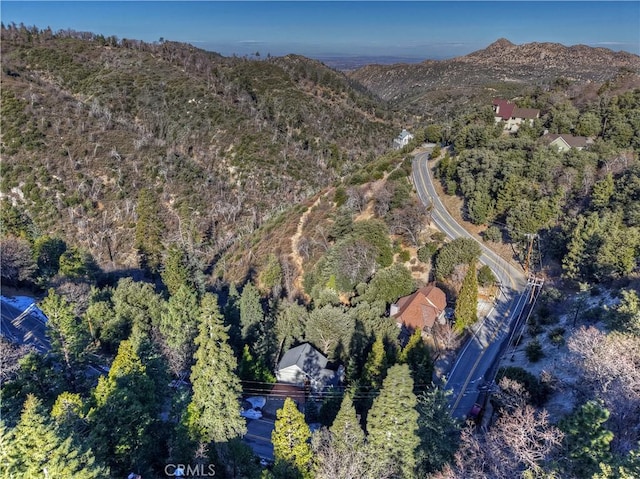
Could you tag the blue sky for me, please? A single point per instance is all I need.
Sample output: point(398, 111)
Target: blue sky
point(418, 29)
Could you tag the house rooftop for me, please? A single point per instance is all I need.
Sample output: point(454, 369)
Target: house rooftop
point(572, 141)
point(305, 357)
point(422, 308)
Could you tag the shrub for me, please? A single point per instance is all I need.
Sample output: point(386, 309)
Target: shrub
point(404, 255)
point(538, 392)
point(534, 351)
point(486, 277)
point(492, 233)
point(340, 196)
point(426, 252)
point(556, 335)
point(459, 251)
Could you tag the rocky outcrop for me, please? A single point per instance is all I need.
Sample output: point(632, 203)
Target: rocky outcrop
point(502, 61)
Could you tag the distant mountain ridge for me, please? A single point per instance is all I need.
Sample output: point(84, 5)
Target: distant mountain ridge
point(502, 61)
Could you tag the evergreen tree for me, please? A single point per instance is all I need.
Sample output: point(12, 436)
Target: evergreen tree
point(375, 369)
point(416, 354)
point(176, 271)
point(290, 440)
point(149, 231)
point(214, 411)
point(253, 369)
point(602, 192)
point(458, 251)
point(270, 277)
point(466, 311)
point(389, 284)
point(340, 452)
point(68, 413)
point(125, 411)
point(587, 441)
point(330, 329)
point(346, 430)
point(231, 313)
point(69, 336)
point(626, 315)
point(138, 302)
point(392, 425)
point(37, 375)
point(291, 320)
point(251, 313)
point(35, 449)
point(439, 432)
point(179, 325)
point(47, 251)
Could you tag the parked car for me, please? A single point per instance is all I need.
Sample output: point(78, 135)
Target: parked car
point(251, 413)
point(257, 402)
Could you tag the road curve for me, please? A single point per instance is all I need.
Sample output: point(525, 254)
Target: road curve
point(490, 335)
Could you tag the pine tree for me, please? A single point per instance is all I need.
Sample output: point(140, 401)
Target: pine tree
point(179, 326)
point(149, 231)
point(376, 366)
point(35, 449)
point(392, 425)
point(69, 336)
point(346, 430)
point(251, 313)
point(175, 272)
point(587, 441)
point(124, 413)
point(416, 354)
point(290, 440)
point(466, 311)
point(340, 452)
point(602, 192)
point(439, 432)
point(214, 411)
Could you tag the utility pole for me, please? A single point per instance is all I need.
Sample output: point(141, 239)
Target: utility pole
point(534, 282)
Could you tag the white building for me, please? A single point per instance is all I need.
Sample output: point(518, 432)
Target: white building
point(403, 139)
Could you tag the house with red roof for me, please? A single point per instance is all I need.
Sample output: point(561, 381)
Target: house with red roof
point(421, 309)
point(513, 116)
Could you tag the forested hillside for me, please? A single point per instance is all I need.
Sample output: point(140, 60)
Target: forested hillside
point(123, 147)
point(584, 203)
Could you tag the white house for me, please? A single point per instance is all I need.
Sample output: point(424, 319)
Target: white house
point(403, 139)
point(512, 116)
point(305, 365)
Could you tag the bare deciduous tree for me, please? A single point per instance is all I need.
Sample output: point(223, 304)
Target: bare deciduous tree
point(16, 262)
point(356, 200)
point(609, 369)
point(409, 221)
point(520, 441)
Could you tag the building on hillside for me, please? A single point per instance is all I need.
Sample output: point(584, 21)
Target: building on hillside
point(305, 366)
point(512, 116)
point(420, 310)
point(402, 140)
point(565, 142)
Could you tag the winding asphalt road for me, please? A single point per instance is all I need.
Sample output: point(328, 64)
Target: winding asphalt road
point(474, 365)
